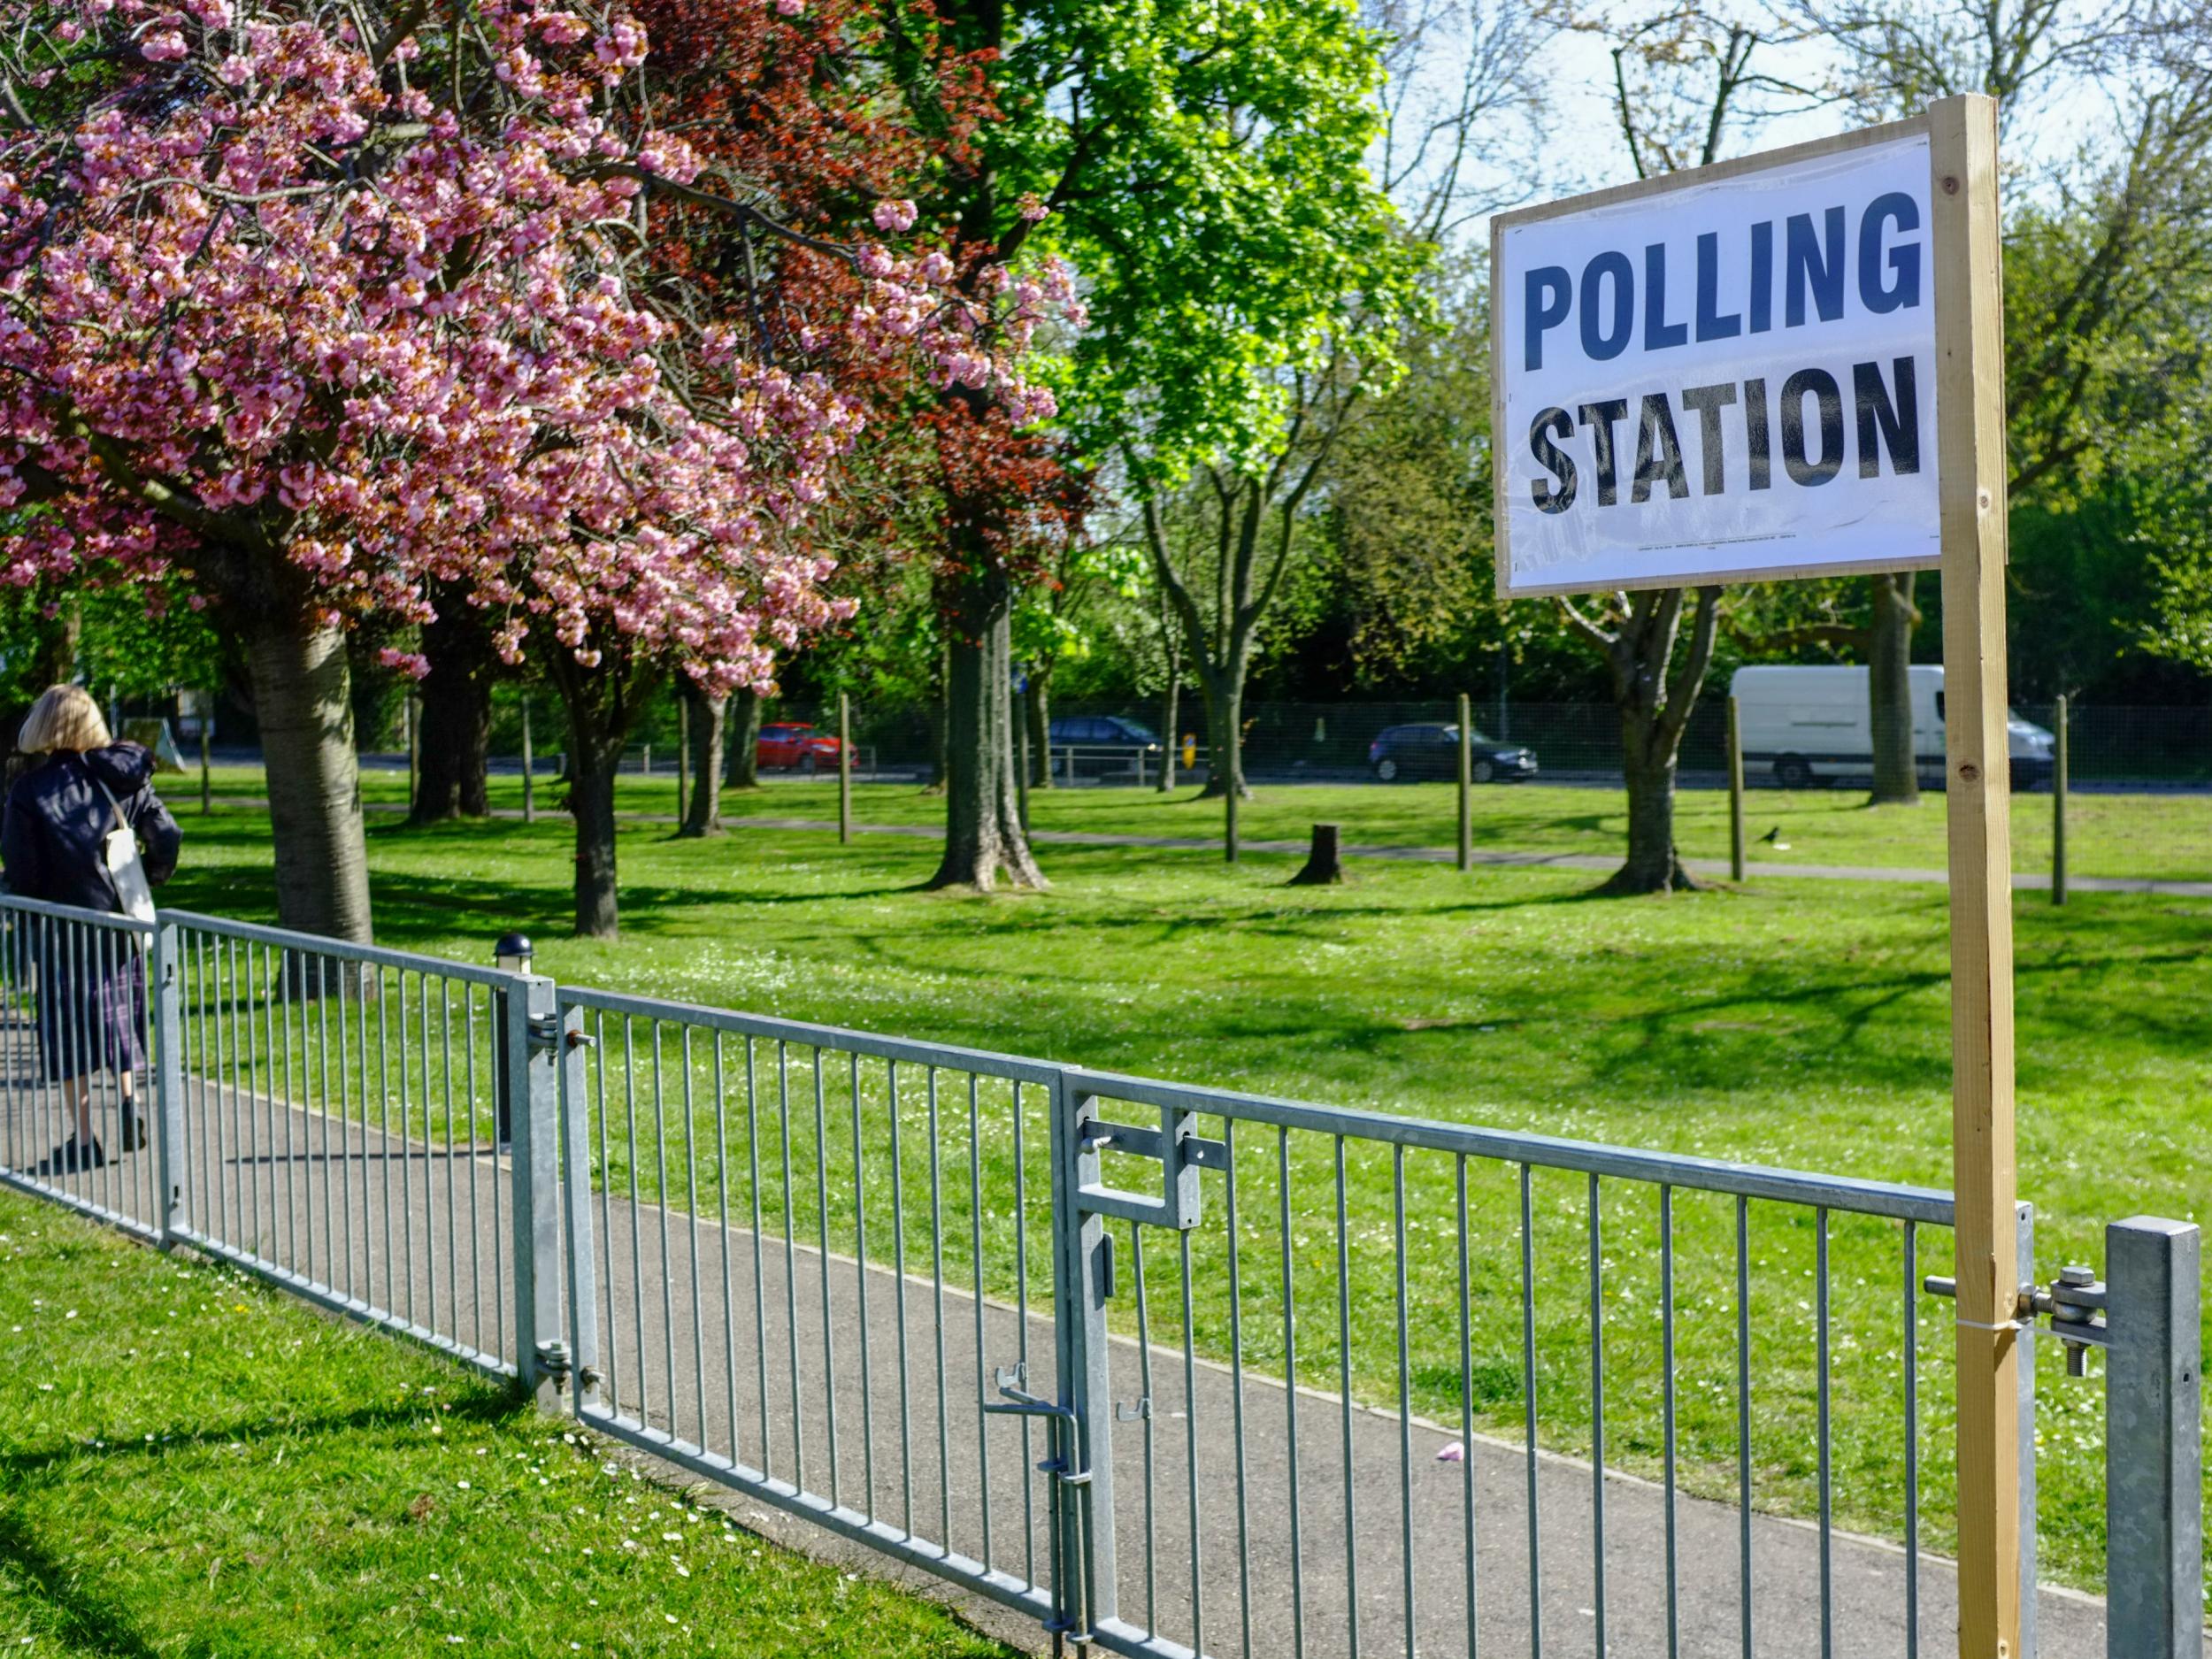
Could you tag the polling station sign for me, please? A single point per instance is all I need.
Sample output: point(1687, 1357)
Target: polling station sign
point(1721, 375)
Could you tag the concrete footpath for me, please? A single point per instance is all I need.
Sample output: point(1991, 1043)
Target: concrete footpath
point(869, 1383)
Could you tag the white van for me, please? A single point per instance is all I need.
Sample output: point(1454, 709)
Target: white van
point(1812, 726)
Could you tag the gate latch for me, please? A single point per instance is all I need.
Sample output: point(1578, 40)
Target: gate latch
point(2076, 1307)
point(1176, 1145)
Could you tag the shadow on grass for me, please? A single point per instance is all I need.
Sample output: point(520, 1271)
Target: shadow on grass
point(484, 1404)
point(85, 1621)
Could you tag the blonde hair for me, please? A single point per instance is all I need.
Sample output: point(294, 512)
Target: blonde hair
point(64, 717)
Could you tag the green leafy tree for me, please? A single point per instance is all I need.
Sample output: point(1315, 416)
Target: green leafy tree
point(1202, 163)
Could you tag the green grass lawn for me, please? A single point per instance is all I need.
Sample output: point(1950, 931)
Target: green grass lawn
point(192, 1464)
point(1797, 1022)
point(2165, 836)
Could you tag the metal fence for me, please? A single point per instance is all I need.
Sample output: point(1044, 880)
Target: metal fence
point(1170, 1370)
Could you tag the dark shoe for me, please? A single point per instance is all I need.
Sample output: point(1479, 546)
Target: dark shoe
point(134, 1136)
point(73, 1157)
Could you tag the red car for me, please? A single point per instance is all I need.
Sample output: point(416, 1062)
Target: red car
point(796, 748)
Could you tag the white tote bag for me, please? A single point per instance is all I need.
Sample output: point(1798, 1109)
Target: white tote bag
point(127, 870)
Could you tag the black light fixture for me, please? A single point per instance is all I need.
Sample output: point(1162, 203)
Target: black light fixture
point(512, 953)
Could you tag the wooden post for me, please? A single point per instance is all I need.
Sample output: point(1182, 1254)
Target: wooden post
point(1970, 450)
point(844, 767)
point(1021, 770)
point(2058, 802)
point(1229, 837)
point(1735, 791)
point(683, 753)
point(1466, 784)
point(207, 782)
point(529, 791)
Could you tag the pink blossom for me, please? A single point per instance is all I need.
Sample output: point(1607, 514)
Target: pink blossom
point(414, 664)
point(458, 377)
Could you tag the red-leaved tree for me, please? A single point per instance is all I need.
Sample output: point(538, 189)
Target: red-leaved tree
point(322, 305)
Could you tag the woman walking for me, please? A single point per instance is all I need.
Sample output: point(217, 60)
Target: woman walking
point(76, 825)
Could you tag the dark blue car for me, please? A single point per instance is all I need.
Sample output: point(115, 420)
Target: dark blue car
point(1432, 751)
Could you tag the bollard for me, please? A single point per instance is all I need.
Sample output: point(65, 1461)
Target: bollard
point(2058, 805)
point(1466, 784)
point(683, 753)
point(1735, 793)
point(529, 796)
point(845, 768)
point(1021, 769)
point(2154, 1450)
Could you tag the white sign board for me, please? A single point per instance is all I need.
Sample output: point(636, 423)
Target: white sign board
point(1721, 375)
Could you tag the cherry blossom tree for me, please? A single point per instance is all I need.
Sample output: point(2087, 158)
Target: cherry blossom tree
point(319, 307)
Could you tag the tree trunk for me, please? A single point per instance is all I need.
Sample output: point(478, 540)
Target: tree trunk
point(1224, 736)
point(1037, 709)
point(1889, 692)
point(592, 765)
point(601, 703)
point(741, 723)
point(1648, 757)
point(301, 693)
point(1171, 740)
point(702, 816)
point(456, 729)
point(1655, 695)
point(983, 831)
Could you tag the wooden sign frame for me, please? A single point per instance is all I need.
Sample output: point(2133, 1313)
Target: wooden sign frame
point(1996, 1575)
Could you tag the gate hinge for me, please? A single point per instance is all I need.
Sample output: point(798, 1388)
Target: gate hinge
point(2076, 1307)
point(545, 1031)
point(553, 1360)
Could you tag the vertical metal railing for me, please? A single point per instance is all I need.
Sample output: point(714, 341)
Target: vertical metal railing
point(332, 1124)
point(1701, 1341)
point(1171, 1370)
point(804, 1252)
point(75, 1016)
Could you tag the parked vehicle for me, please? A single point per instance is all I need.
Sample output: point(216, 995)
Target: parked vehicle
point(1812, 725)
point(1432, 751)
point(1091, 745)
point(793, 747)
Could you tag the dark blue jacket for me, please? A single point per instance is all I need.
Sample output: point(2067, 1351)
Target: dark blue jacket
point(56, 818)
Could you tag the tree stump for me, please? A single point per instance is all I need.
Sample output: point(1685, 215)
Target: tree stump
point(1324, 866)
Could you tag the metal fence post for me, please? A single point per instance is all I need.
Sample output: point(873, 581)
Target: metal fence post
point(2154, 1451)
point(533, 1087)
point(2025, 1263)
point(1083, 1587)
point(583, 1268)
point(168, 1082)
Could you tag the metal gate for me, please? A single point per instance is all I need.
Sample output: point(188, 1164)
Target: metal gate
point(1168, 1369)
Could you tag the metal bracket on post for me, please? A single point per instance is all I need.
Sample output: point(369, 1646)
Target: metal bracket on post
point(1178, 1146)
point(531, 1088)
point(2153, 1444)
point(169, 1143)
point(2147, 1320)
